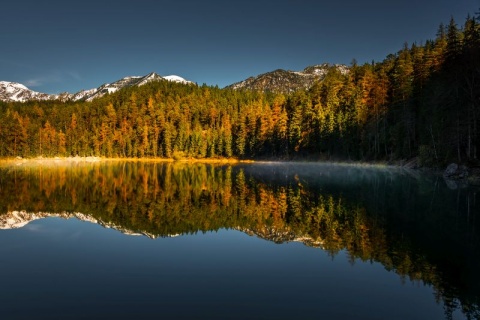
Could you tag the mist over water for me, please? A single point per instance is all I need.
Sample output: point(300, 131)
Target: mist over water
point(264, 240)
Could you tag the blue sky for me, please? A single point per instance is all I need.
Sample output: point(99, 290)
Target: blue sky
point(56, 46)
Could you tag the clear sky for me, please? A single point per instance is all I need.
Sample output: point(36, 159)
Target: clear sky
point(55, 46)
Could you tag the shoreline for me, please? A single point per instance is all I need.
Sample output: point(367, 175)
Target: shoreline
point(472, 179)
point(91, 159)
point(94, 159)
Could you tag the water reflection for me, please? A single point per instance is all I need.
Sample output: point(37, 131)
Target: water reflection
point(415, 226)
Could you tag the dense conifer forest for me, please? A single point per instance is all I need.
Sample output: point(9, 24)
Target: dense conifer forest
point(423, 101)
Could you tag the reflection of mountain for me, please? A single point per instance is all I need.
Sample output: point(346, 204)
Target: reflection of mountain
point(19, 219)
point(282, 236)
point(418, 228)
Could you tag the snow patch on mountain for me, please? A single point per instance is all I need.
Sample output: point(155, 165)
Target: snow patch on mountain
point(175, 78)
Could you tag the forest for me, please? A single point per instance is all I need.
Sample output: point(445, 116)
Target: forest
point(422, 102)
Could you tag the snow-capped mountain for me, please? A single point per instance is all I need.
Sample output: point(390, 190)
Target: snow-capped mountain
point(12, 91)
point(287, 81)
point(91, 94)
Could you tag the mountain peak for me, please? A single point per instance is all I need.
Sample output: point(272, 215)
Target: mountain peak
point(12, 85)
point(152, 75)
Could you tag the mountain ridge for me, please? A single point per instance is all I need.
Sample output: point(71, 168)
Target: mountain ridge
point(17, 92)
point(287, 81)
point(278, 81)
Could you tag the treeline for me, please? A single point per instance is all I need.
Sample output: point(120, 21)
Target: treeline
point(422, 101)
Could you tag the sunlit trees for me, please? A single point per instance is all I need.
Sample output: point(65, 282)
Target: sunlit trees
point(13, 134)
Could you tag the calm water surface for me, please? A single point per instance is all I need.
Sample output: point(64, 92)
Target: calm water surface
point(256, 241)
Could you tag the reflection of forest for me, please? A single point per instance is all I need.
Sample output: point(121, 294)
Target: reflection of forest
point(415, 227)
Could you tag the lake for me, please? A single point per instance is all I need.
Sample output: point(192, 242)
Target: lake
point(244, 241)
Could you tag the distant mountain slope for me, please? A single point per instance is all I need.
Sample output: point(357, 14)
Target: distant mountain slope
point(287, 81)
point(12, 91)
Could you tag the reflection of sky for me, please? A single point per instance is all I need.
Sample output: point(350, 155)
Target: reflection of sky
point(75, 267)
